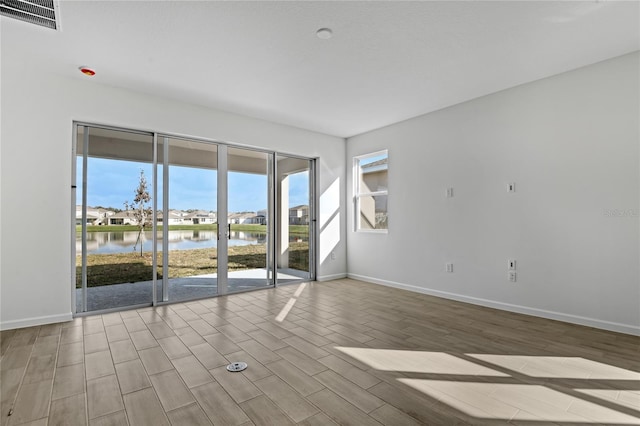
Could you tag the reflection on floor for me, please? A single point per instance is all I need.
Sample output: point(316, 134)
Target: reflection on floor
point(180, 289)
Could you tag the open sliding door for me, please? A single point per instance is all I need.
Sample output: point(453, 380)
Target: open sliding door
point(250, 242)
point(295, 212)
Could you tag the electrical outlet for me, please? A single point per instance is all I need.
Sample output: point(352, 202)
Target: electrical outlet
point(333, 255)
point(448, 267)
point(512, 264)
point(511, 187)
point(512, 276)
point(449, 192)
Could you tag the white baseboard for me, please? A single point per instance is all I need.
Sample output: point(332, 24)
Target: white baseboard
point(331, 277)
point(573, 319)
point(30, 322)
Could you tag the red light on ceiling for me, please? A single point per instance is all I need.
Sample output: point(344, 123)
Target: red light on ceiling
point(87, 71)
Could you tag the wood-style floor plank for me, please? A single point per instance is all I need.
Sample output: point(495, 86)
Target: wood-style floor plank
point(68, 411)
point(286, 398)
point(103, 396)
point(118, 418)
point(236, 384)
point(144, 409)
point(32, 402)
point(99, 364)
point(192, 371)
point(191, 415)
point(69, 354)
point(264, 412)
point(218, 405)
point(154, 360)
point(123, 350)
point(171, 390)
point(69, 381)
point(340, 410)
point(132, 376)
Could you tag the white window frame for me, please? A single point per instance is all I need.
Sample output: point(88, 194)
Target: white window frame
point(357, 195)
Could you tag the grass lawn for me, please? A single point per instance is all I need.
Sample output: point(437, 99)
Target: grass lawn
point(106, 269)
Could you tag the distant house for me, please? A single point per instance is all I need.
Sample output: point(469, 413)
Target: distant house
point(261, 217)
point(299, 215)
point(375, 175)
point(244, 218)
point(175, 217)
point(122, 218)
point(201, 217)
point(374, 178)
point(94, 216)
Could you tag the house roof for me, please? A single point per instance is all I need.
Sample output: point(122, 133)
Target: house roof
point(172, 214)
point(376, 166)
point(122, 215)
point(200, 213)
point(241, 215)
point(376, 163)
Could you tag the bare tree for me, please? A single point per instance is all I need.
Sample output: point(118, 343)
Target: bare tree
point(138, 208)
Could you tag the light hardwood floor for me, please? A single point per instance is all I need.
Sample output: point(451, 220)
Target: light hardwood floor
point(343, 352)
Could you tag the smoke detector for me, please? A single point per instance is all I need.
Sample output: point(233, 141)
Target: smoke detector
point(324, 33)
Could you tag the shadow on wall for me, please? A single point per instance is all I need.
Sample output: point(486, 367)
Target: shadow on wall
point(329, 222)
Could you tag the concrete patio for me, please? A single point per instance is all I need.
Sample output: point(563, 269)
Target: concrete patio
point(180, 289)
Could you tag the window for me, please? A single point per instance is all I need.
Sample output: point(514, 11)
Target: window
point(370, 188)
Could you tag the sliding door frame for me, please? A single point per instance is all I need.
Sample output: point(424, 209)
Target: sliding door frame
point(76, 125)
point(165, 217)
point(313, 214)
point(313, 220)
point(222, 189)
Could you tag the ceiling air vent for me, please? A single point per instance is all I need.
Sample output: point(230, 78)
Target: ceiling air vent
point(39, 12)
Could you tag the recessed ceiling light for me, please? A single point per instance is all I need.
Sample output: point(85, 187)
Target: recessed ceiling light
point(324, 33)
point(87, 71)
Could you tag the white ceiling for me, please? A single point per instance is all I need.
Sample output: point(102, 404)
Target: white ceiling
point(387, 61)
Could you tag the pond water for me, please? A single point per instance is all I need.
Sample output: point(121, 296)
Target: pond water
point(124, 242)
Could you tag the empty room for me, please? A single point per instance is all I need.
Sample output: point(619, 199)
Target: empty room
point(319, 212)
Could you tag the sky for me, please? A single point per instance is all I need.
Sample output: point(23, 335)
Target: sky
point(372, 159)
point(112, 182)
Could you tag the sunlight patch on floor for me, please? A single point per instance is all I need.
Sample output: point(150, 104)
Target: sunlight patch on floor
point(511, 401)
point(625, 398)
point(299, 290)
point(526, 402)
point(292, 301)
point(558, 367)
point(418, 362)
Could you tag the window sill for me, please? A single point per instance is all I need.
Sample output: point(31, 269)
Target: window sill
point(371, 231)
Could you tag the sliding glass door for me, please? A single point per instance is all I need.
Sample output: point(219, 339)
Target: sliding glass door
point(295, 218)
point(113, 219)
point(189, 219)
point(165, 219)
point(249, 178)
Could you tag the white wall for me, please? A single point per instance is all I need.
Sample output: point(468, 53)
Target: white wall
point(37, 114)
point(571, 144)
